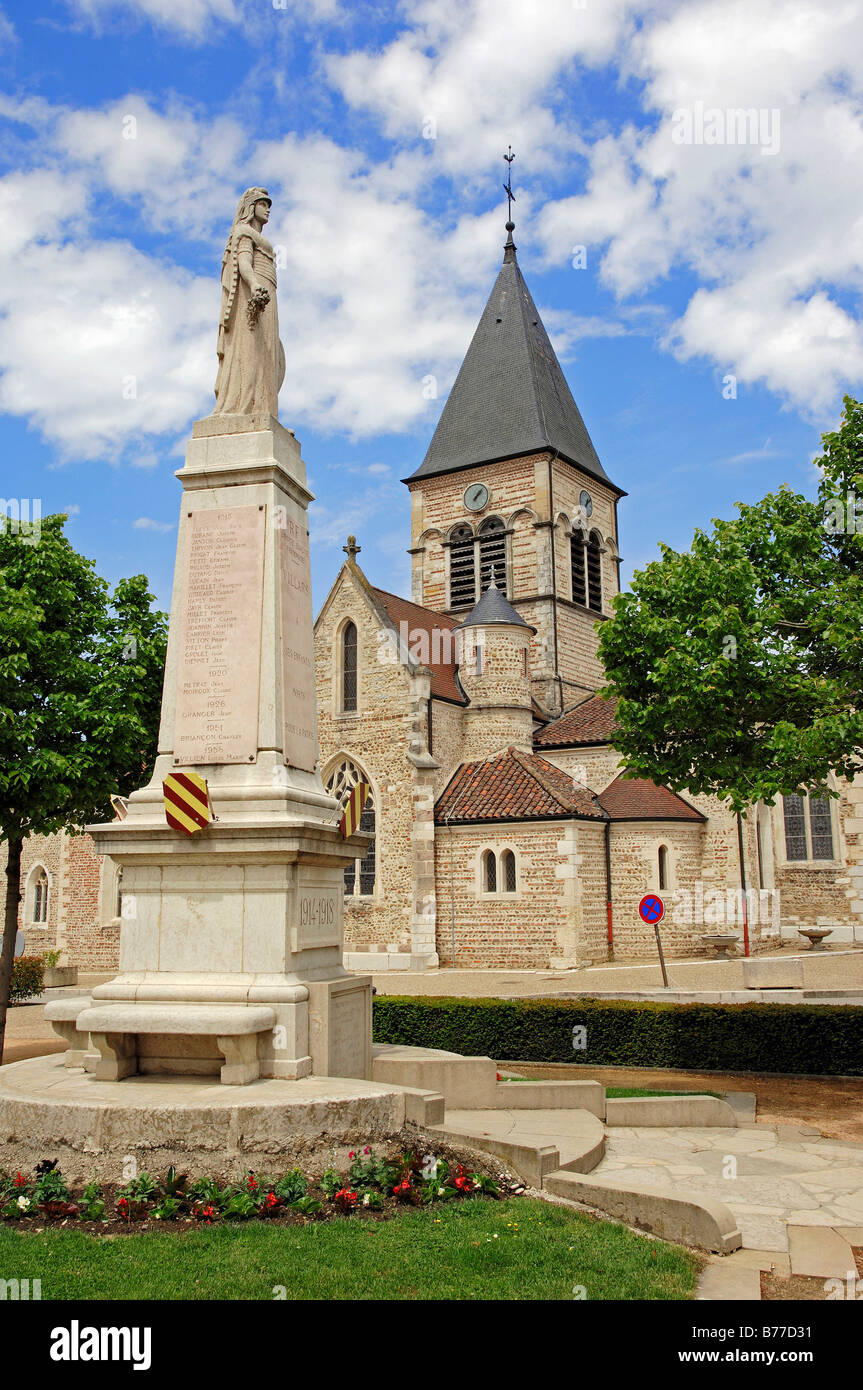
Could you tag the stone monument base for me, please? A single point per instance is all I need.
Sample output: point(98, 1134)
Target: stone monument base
point(94, 1127)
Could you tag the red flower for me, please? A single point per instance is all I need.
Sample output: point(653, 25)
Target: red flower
point(253, 1184)
point(345, 1197)
point(207, 1213)
point(351, 1154)
point(367, 1150)
point(272, 1200)
point(20, 1180)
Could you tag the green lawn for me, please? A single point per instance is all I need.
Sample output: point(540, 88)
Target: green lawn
point(521, 1249)
point(625, 1092)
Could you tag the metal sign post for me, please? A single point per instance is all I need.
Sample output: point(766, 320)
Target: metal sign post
point(651, 909)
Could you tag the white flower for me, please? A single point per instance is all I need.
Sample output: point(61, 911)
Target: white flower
point(366, 1199)
point(23, 1203)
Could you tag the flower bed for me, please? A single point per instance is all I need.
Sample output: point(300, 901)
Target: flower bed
point(373, 1185)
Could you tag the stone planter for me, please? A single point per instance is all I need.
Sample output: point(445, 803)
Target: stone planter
point(815, 936)
point(57, 976)
point(722, 942)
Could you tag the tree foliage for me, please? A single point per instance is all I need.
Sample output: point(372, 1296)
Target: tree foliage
point(737, 665)
point(80, 690)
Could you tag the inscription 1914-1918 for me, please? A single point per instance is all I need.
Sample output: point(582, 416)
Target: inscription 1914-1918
point(218, 670)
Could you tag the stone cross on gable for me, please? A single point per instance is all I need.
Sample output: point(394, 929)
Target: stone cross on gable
point(352, 550)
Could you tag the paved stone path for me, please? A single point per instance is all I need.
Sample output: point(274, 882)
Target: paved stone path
point(769, 1179)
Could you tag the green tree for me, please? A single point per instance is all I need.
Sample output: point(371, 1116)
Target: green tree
point(737, 665)
point(80, 688)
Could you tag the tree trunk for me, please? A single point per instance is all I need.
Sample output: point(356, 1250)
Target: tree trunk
point(10, 929)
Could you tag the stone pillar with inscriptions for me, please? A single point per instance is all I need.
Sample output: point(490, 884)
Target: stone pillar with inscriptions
point(248, 911)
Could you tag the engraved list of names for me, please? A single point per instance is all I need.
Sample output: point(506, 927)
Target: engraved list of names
point(218, 672)
point(298, 647)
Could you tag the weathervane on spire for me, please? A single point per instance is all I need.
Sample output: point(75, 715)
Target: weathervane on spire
point(509, 248)
point(507, 188)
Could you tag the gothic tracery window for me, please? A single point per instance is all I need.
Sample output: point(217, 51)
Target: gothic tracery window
point(360, 874)
point(40, 896)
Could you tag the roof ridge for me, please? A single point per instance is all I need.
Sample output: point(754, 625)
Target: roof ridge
point(432, 612)
point(540, 776)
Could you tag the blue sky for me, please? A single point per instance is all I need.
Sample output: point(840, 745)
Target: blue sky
point(128, 132)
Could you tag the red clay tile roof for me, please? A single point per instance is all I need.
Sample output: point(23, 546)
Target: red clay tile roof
point(592, 721)
point(514, 786)
point(400, 610)
point(636, 798)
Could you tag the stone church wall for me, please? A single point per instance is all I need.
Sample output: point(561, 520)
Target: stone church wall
point(376, 738)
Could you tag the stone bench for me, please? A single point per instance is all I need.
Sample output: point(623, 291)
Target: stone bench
point(114, 1029)
point(63, 1014)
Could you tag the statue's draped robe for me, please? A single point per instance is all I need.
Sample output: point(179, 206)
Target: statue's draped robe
point(251, 359)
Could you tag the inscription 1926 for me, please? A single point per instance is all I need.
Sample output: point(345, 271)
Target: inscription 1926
point(218, 670)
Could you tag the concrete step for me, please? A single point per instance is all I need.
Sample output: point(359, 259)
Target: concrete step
point(533, 1142)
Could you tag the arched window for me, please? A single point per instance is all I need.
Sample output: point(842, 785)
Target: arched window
point(594, 572)
point(39, 896)
point(492, 554)
point(462, 569)
point(509, 880)
point(360, 874)
point(489, 872)
point(663, 866)
point(349, 668)
point(579, 573)
point(478, 655)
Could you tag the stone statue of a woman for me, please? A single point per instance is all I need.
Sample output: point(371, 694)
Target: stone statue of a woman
point(251, 357)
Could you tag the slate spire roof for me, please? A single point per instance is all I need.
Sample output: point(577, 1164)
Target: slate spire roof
point(510, 396)
point(495, 609)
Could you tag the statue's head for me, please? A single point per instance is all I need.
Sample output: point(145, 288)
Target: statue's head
point(254, 201)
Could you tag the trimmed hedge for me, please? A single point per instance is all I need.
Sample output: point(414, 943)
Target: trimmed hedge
point(808, 1039)
point(28, 973)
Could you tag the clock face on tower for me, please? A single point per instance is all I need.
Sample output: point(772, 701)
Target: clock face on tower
point(586, 501)
point(476, 497)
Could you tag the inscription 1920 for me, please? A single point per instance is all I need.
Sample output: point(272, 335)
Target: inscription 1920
point(218, 670)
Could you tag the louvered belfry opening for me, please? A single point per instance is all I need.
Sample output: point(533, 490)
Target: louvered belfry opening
point(579, 574)
point(462, 569)
point(492, 554)
point(349, 668)
point(594, 572)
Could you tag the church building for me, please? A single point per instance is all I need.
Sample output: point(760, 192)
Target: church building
point(503, 832)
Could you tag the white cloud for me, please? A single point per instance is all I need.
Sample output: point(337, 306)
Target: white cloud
point(7, 30)
point(377, 296)
point(190, 17)
point(469, 72)
point(146, 523)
